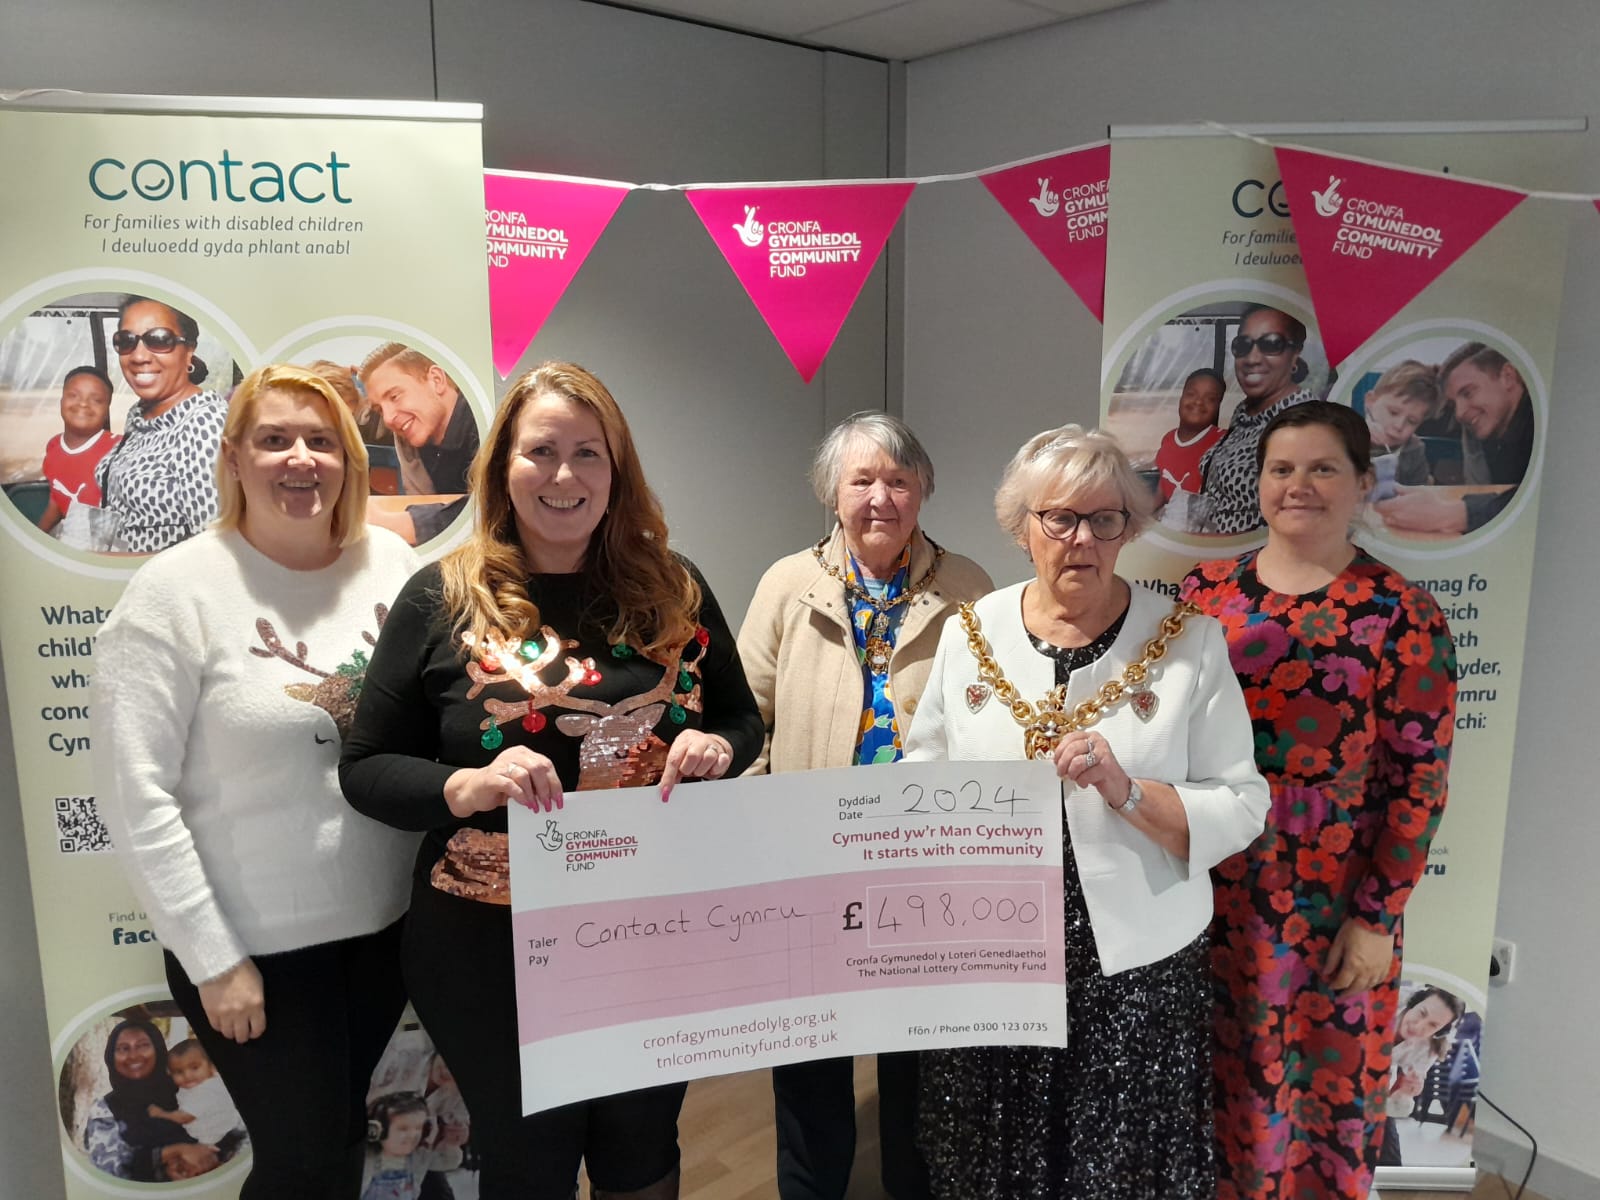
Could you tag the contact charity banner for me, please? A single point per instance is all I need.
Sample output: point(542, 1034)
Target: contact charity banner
point(802, 252)
point(1211, 329)
point(151, 260)
point(921, 912)
point(1059, 203)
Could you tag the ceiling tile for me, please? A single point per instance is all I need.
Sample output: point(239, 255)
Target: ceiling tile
point(1081, 8)
point(903, 29)
point(922, 27)
point(778, 18)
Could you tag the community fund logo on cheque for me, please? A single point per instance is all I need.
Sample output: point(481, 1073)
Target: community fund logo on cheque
point(585, 847)
point(793, 247)
point(1367, 226)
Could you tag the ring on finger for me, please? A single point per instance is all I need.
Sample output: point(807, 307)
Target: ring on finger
point(1088, 757)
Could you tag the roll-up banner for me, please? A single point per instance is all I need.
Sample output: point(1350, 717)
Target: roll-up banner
point(1410, 269)
point(313, 232)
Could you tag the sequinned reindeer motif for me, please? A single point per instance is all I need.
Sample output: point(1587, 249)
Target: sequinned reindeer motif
point(338, 690)
point(502, 664)
point(620, 748)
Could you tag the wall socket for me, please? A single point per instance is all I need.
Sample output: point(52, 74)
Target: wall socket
point(1502, 961)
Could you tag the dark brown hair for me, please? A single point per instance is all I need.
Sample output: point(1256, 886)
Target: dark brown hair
point(1343, 420)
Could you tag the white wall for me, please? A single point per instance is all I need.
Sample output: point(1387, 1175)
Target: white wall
point(725, 425)
point(997, 347)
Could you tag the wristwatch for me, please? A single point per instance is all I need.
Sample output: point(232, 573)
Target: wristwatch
point(1135, 798)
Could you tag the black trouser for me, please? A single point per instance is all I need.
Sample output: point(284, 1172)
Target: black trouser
point(814, 1107)
point(905, 1172)
point(301, 1087)
point(458, 966)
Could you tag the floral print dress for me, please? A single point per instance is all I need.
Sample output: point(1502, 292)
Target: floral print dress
point(1351, 690)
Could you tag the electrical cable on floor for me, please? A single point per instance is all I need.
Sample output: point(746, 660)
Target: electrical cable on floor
point(1533, 1158)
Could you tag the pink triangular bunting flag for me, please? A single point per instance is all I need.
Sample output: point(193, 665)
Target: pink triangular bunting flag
point(1372, 236)
point(802, 252)
point(540, 229)
point(1060, 203)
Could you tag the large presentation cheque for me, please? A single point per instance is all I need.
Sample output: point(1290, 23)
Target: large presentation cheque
point(753, 922)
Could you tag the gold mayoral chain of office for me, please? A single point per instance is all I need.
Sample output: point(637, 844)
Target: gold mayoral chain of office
point(878, 648)
point(1044, 724)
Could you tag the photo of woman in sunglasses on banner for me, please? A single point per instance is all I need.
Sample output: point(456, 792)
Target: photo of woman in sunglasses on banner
point(1273, 376)
point(1192, 399)
point(158, 486)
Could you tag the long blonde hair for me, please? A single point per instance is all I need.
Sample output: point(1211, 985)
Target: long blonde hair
point(485, 580)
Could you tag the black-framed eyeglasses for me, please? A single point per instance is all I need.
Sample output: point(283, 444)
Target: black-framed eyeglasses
point(159, 339)
point(1267, 343)
point(1061, 524)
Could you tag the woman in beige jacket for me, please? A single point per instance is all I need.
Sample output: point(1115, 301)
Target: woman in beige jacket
point(837, 646)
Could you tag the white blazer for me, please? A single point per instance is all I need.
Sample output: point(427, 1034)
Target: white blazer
point(1143, 902)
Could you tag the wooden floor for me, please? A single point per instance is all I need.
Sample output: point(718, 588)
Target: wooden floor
point(729, 1149)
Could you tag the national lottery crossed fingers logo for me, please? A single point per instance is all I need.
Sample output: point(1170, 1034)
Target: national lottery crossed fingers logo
point(1368, 225)
point(586, 847)
point(794, 246)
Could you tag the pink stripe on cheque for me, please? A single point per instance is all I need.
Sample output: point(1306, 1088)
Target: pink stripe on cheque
point(592, 966)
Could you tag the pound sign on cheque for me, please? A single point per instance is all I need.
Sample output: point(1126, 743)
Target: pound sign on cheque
point(850, 911)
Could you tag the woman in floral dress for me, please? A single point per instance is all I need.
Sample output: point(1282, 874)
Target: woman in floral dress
point(1349, 674)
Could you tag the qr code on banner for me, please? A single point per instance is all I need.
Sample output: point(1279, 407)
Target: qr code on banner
point(79, 829)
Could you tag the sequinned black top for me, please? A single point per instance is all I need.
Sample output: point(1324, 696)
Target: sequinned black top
point(422, 716)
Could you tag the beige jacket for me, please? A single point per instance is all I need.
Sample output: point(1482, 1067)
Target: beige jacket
point(800, 656)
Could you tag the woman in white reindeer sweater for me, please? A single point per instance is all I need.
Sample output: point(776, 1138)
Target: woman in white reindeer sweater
point(224, 683)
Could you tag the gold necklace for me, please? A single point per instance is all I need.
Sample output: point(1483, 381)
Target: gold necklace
point(1046, 723)
point(878, 648)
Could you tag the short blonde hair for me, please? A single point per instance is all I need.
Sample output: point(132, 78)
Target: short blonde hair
point(1068, 459)
point(1412, 382)
point(350, 509)
point(343, 381)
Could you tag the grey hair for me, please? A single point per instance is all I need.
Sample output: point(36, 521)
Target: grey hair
point(1067, 461)
point(888, 433)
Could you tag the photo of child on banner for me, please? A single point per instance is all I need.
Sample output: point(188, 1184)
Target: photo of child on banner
point(76, 373)
point(439, 1162)
point(1433, 1081)
point(141, 1101)
point(1194, 397)
point(1453, 434)
point(110, 415)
